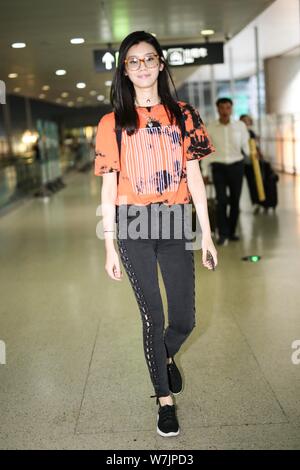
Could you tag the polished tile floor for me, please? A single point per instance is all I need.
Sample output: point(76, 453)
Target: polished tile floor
point(75, 374)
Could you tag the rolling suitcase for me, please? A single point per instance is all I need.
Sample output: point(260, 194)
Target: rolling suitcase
point(250, 177)
point(270, 179)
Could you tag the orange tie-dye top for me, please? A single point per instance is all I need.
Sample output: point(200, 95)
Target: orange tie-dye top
point(153, 160)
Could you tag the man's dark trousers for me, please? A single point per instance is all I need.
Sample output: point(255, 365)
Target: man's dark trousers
point(228, 175)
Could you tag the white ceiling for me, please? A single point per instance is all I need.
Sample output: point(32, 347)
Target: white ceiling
point(47, 26)
point(278, 32)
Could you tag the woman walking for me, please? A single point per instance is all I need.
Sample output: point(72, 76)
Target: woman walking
point(148, 151)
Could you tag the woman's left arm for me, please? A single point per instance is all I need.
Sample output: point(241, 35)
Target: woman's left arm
point(197, 189)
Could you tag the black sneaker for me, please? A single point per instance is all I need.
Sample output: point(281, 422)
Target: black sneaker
point(167, 423)
point(234, 238)
point(175, 379)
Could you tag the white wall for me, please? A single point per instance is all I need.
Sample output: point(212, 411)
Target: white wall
point(282, 75)
point(279, 31)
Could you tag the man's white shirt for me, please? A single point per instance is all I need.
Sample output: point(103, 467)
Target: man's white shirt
point(229, 140)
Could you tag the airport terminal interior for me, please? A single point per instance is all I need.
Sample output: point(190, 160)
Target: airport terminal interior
point(72, 368)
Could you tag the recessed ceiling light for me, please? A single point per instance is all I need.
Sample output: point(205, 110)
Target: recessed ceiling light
point(12, 75)
point(42, 95)
point(18, 45)
point(65, 94)
point(17, 89)
point(46, 88)
point(77, 41)
point(81, 85)
point(100, 97)
point(60, 72)
point(93, 93)
point(29, 137)
point(70, 103)
point(207, 32)
point(80, 98)
point(108, 83)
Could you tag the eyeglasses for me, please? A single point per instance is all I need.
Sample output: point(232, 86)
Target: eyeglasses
point(134, 63)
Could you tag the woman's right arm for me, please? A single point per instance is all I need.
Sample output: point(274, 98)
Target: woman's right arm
point(108, 198)
point(107, 165)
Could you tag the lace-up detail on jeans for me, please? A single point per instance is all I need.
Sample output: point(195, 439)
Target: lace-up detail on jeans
point(157, 399)
point(146, 317)
point(193, 263)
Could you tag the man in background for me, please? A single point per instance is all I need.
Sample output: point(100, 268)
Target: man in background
point(231, 140)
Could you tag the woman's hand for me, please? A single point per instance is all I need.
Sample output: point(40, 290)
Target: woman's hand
point(112, 265)
point(207, 245)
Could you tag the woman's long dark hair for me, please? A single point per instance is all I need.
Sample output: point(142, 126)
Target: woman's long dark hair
point(122, 93)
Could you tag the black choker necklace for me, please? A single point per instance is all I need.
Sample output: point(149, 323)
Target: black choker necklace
point(148, 105)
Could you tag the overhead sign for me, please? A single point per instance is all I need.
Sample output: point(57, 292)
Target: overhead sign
point(194, 54)
point(105, 60)
point(108, 60)
point(2, 92)
point(176, 55)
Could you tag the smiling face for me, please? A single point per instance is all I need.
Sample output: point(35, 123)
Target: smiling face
point(143, 77)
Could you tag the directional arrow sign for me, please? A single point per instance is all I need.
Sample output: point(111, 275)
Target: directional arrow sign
point(105, 60)
point(108, 59)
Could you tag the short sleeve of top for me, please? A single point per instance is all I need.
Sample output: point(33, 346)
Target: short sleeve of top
point(106, 147)
point(197, 143)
